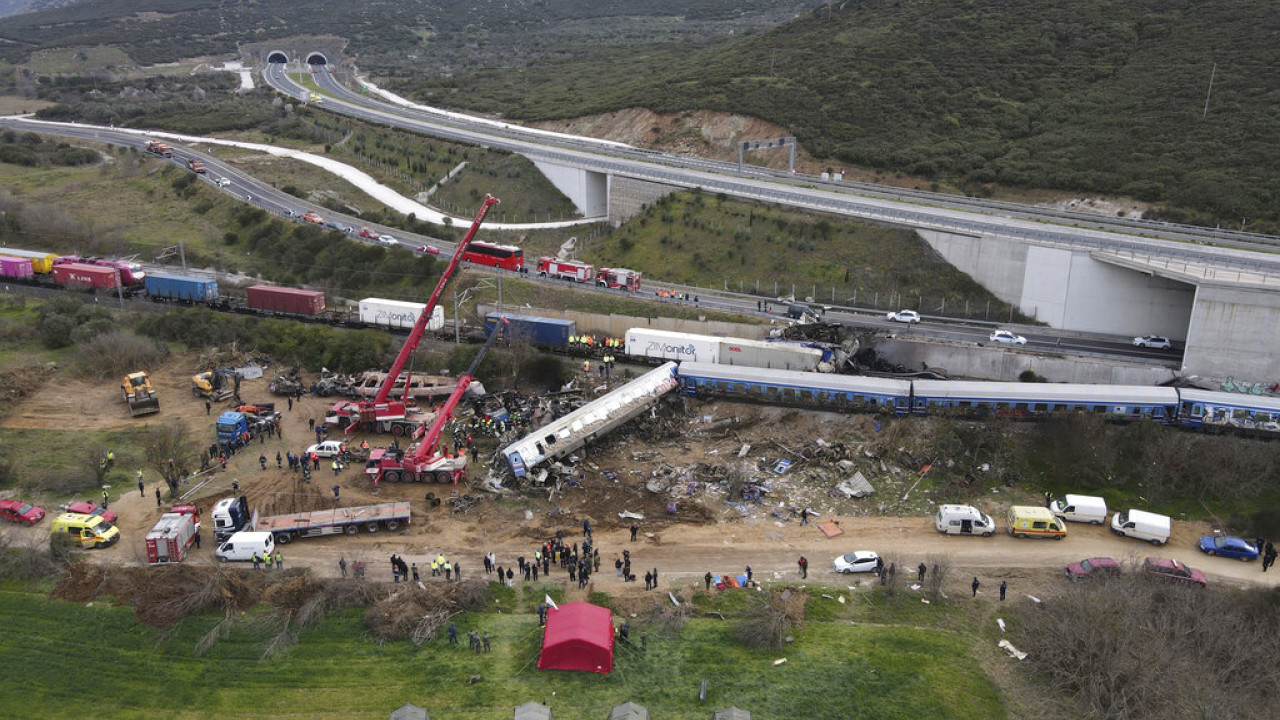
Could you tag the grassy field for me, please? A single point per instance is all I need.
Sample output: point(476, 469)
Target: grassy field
point(833, 670)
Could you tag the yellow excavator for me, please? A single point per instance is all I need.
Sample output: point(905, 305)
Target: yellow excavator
point(217, 384)
point(139, 394)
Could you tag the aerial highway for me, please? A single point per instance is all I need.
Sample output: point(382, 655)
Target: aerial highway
point(245, 188)
point(892, 205)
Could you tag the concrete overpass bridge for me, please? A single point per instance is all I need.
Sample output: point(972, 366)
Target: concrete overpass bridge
point(1217, 292)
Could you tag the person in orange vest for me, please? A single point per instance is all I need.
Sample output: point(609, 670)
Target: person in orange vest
point(586, 368)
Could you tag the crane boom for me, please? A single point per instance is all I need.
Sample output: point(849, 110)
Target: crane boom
point(426, 447)
point(420, 326)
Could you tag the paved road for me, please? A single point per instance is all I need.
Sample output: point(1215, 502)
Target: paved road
point(896, 206)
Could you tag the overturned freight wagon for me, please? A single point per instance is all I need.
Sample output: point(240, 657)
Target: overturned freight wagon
point(593, 420)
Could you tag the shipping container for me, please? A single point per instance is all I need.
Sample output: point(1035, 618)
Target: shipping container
point(398, 314)
point(178, 287)
point(664, 345)
point(15, 267)
point(170, 538)
point(765, 354)
point(550, 332)
point(77, 275)
point(41, 262)
point(285, 300)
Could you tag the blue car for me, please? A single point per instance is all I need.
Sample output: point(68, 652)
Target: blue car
point(1227, 546)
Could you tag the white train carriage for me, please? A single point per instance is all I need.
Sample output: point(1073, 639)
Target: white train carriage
point(1029, 400)
point(788, 387)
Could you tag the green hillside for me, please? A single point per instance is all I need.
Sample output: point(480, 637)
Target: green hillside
point(1099, 96)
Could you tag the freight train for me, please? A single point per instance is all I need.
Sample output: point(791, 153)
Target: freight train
point(1191, 408)
point(126, 277)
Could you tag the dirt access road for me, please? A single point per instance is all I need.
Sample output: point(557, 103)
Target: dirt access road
point(704, 536)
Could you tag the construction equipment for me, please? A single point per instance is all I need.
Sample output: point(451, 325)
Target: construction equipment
point(424, 461)
point(382, 414)
point(217, 384)
point(159, 148)
point(196, 166)
point(236, 428)
point(139, 394)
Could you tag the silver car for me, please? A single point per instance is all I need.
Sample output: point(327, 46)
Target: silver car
point(1155, 342)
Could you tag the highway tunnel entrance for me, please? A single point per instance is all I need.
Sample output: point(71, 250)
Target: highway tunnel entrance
point(317, 59)
point(277, 57)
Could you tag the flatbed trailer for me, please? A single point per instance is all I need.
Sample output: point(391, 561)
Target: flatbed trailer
point(349, 520)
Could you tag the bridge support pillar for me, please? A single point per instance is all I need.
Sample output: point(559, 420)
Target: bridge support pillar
point(589, 190)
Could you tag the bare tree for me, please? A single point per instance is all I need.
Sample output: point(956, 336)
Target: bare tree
point(936, 578)
point(171, 452)
point(771, 617)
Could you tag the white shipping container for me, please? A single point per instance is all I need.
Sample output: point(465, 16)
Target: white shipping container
point(765, 354)
point(664, 345)
point(398, 314)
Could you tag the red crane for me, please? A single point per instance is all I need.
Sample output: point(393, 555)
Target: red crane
point(424, 462)
point(382, 414)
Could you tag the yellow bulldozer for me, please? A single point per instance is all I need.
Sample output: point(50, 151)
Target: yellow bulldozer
point(139, 394)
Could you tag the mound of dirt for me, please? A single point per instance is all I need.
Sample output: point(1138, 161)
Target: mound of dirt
point(83, 582)
point(23, 381)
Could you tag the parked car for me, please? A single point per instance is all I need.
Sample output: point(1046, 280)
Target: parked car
point(19, 511)
point(429, 249)
point(1228, 546)
point(328, 448)
point(1172, 571)
point(904, 316)
point(1004, 336)
point(88, 508)
point(858, 561)
point(368, 234)
point(1155, 342)
point(1093, 568)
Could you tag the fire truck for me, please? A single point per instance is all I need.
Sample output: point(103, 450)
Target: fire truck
point(424, 461)
point(564, 266)
point(566, 269)
point(382, 414)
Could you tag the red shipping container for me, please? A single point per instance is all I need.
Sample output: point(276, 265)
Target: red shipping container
point(14, 267)
point(169, 540)
point(288, 300)
point(77, 275)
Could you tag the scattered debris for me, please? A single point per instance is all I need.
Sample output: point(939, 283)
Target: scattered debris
point(1011, 650)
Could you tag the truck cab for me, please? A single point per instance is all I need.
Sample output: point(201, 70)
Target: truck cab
point(230, 515)
point(91, 531)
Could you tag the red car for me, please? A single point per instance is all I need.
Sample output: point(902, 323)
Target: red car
point(369, 234)
point(84, 507)
point(1173, 571)
point(1100, 568)
point(429, 249)
point(19, 511)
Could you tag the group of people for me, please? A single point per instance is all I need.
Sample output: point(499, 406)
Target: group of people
point(1266, 551)
point(479, 642)
point(265, 558)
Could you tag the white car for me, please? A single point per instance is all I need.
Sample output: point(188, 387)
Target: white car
point(328, 448)
point(1004, 336)
point(858, 561)
point(224, 182)
point(1155, 342)
point(904, 316)
point(388, 240)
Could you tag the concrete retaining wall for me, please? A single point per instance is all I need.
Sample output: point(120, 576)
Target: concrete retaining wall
point(627, 197)
point(987, 363)
point(1234, 332)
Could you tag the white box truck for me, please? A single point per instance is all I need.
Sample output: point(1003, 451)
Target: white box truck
point(1142, 525)
point(1080, 508)
point(765, 354)
point(398, 314)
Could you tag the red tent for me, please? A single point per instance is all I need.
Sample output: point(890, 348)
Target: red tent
point(579, 636)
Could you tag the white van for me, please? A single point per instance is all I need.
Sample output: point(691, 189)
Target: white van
point(244, 545)
point(1080, 508)
point(963, 520)
point(1142, 525)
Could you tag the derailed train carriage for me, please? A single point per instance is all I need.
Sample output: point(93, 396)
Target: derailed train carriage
point(1192, 408)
